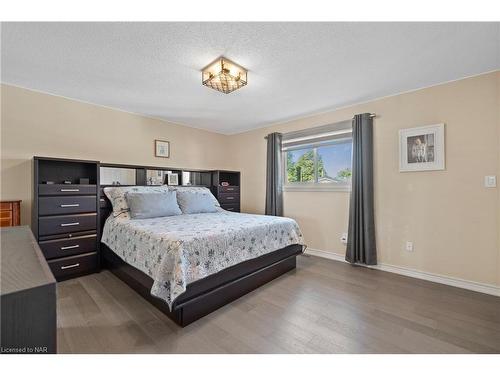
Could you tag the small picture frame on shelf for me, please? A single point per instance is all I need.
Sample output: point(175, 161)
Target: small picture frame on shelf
point(172, 179)
point(162, 149)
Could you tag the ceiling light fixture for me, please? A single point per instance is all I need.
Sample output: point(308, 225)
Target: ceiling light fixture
point(224, 75)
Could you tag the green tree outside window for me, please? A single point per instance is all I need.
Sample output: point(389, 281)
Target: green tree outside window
point(303, 169)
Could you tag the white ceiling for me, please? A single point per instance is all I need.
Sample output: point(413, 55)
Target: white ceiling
point(295, 69)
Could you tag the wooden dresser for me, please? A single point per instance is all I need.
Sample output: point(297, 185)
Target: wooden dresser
point(28, 295)
point(10, 213)
point(228, 196)
point(65, 216)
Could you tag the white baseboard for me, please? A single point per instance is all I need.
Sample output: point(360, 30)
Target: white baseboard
point(447, 280)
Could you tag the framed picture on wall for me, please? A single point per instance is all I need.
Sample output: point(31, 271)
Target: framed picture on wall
point(422, 148)
point(162, 149)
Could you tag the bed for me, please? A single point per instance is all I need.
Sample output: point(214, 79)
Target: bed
point(191, 264)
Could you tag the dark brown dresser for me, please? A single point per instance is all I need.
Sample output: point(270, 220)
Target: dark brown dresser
point(227, 195)
point(10, 213)
point(65, 215)
point(28, 295)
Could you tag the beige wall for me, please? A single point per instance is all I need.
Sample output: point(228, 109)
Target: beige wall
point(45, 125)
point(498, 174)
point(451, 218)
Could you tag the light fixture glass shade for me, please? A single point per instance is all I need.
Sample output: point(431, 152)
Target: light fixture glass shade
point(224, 75)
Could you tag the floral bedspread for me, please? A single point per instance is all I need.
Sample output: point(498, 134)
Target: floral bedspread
point(178, 250)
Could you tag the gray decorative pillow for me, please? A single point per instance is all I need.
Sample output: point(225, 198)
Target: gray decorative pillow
point(196, 189)
point(116, 195)
point(148, 205)
point(192, 202)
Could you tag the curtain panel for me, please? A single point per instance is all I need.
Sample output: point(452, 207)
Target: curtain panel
point(361, 246)
point(274, 176)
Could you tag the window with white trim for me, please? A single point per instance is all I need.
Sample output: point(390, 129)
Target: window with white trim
point(318, 159)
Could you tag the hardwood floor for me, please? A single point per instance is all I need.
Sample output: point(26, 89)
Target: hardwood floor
point(322, 307)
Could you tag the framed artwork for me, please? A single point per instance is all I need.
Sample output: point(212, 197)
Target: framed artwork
point(162, 149)
point(421, 149)
point(172, 179)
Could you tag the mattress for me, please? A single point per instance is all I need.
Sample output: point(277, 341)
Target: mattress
point(178, 250)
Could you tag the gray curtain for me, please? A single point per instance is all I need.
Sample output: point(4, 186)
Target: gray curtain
point(274, 184)
point(361, 247)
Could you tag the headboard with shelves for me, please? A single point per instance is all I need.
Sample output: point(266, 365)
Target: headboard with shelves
point(139, 175)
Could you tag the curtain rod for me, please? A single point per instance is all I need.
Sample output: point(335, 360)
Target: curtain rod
point(372, 115)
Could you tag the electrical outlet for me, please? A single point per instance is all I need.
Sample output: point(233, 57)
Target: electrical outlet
point(343, 239)
point(409, 246)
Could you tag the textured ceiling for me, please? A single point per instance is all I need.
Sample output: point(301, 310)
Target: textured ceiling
point(295, 69)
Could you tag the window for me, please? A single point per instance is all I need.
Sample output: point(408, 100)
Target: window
point(320, 161)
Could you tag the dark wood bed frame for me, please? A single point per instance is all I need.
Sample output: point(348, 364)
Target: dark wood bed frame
point(208, 294)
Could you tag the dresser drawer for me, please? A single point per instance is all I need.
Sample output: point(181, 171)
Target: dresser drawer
point(229, 198)
point(66, 205)
point(61, 189)
point(5, 218)
point(68, 246)
point(6, 206)
point(73, 266)
point(233, 207)
point(229, 189)
point(6, 222)
point(66, 223)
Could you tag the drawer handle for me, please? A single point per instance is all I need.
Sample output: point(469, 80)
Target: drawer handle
point(230, 209)
point(70, 205)
point(67, 190)
point(70, 266)
point(229, 198)
point(69, 224)
point(70, 247)
point(230, 189)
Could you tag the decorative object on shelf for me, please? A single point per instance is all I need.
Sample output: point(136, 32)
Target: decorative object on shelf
point(172, 179)
point(224, 183)
point(84, 181)
point(224, 75)
point(162, 149)
point(421, 148)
